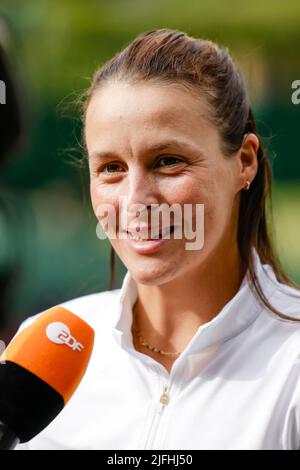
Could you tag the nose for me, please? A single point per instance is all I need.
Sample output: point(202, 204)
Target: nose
point(141, 192)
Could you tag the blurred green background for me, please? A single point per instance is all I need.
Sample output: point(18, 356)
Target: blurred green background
point(53, 251)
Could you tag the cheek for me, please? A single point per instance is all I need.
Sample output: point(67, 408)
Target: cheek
point(101, 194)
point(104, 203)
point(217, 211)
point(209, 192)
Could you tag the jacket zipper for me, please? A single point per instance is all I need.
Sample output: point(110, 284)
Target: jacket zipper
point(163, 402)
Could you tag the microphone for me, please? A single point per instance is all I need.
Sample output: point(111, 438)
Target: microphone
point(39, 371)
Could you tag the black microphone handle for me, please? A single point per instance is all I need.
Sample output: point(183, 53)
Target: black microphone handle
point(8, 439)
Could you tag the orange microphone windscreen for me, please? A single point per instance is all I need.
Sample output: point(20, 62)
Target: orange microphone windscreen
point(56, 348)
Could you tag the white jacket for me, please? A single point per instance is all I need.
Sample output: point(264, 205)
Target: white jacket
point(235, 386)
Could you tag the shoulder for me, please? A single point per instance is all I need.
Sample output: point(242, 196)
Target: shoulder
point(284, 298)
point(92, 308)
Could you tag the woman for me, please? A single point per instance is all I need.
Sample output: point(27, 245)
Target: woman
point(199, 349)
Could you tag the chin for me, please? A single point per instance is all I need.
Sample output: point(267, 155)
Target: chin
point(152, 275)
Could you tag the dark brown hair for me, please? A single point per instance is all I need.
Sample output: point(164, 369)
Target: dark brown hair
point(204, 68)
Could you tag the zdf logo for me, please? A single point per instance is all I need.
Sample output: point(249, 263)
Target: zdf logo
point(59, 333)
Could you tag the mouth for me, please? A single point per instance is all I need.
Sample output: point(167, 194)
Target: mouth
point(146, 236)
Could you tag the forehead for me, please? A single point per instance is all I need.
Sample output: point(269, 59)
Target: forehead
point(146, 110)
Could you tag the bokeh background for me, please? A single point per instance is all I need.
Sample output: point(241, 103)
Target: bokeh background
point(49, 251)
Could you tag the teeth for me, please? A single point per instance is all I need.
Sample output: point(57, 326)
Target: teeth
point(137, 238)
point(156, 236)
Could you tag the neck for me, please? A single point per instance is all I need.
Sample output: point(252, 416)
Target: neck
point(169, 321)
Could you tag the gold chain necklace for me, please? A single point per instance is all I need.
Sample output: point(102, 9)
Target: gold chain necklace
point(144, 343)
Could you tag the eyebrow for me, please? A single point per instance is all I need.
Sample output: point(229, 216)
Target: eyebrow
point(153, 148)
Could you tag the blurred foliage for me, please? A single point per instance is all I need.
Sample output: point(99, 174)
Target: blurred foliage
point(62, 41)
point(286, 211)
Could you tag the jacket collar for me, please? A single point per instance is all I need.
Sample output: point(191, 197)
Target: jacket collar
point(236, 315)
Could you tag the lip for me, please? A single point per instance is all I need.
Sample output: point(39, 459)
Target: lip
point(146, 247)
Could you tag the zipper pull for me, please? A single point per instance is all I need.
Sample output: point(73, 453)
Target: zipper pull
point(165, 398)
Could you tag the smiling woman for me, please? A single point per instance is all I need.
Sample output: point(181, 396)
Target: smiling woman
point(205, 80)
point(199, 349)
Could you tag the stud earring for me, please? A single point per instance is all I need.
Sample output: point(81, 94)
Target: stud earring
point(247, 185)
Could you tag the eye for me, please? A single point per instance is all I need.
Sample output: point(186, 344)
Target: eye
point(111, 166)
point(171, 160)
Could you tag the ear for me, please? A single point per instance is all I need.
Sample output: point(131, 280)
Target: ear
point(248, 162)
